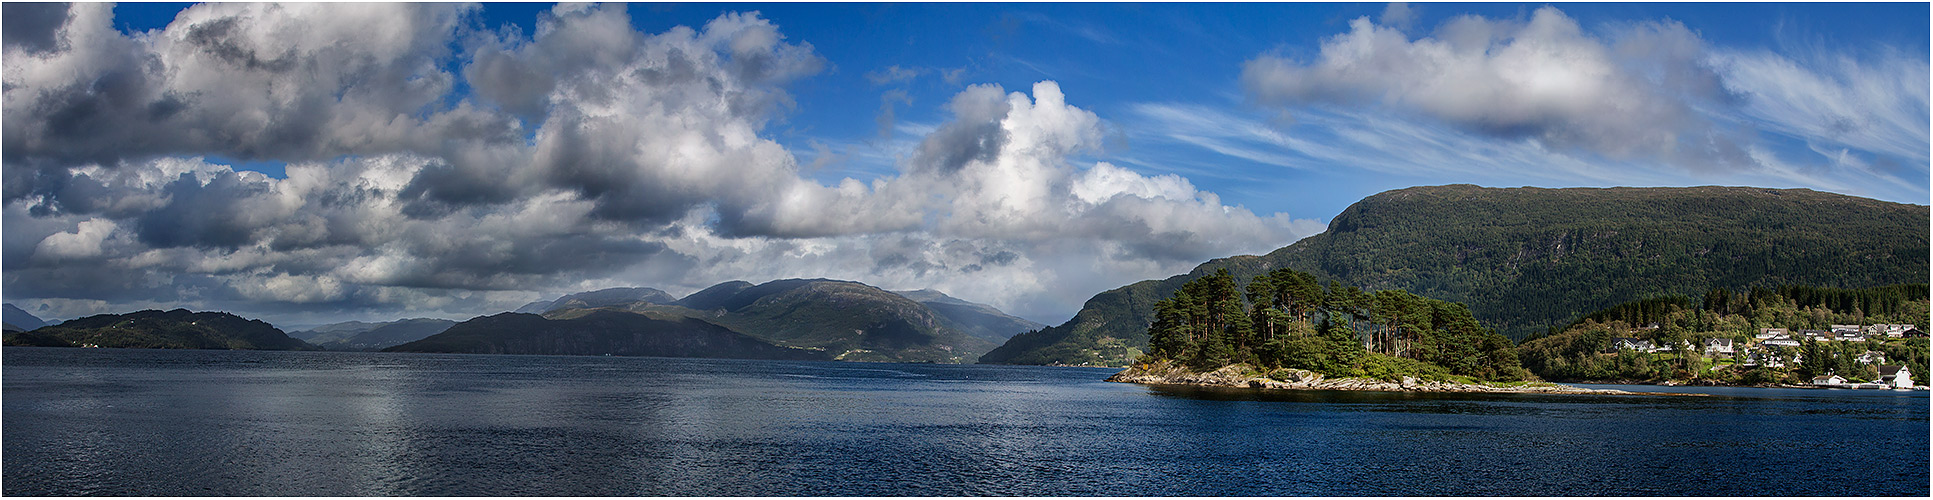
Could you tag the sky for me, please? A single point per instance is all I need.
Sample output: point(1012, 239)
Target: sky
point(315, 163)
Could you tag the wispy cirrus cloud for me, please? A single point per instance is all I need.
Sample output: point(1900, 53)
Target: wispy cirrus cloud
point(1636, 103)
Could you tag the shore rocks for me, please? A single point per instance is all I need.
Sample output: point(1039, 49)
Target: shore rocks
point(1243, 375)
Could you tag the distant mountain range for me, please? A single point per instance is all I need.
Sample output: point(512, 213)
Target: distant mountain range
point(784, 319)
point(815, 319)
point(361, 336)
point(1529, 259)
point(176, 329)
point(17, 319)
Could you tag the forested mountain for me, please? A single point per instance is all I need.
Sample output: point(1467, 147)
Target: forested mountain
point(364, 336)
point(598, 332)
point(391, 334)
point(853, 321)
point(1526, 260)
point(802, 318)
point(600, 298)
point(334, 332)
point(177, 329)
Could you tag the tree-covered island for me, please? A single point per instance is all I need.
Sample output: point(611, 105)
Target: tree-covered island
point(1287, 329)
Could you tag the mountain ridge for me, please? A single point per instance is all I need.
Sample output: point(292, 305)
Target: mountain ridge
point(1520, 256)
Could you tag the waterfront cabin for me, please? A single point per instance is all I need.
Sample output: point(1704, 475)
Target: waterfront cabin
point(1896, 376)
point(1829, 380)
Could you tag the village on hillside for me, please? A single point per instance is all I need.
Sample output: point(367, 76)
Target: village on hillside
point(1780, 348)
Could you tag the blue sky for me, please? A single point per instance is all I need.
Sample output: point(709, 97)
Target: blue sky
point(1023, 155)
point(1114, 57)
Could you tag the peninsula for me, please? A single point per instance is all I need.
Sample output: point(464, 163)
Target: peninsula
point(1244, 375)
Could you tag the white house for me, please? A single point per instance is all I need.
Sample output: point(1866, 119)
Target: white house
point(1887, 330)
point(1766, 333)
point(1718, 346)
point(1623, 343)
point(1897, 376)
point(1784, 341)
point(1845, 329)
point(1849, 337)
point(1871, 357)
point(1829, 380)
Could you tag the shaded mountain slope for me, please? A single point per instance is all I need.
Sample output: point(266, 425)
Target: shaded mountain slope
point(176, 329)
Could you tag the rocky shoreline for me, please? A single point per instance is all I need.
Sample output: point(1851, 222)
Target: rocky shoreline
point(1242, 375)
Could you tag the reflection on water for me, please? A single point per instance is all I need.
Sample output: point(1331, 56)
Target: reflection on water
point(131, 422)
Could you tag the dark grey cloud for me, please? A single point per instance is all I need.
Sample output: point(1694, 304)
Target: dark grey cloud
point(32, 26)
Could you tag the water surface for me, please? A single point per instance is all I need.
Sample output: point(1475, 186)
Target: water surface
point(155, 422)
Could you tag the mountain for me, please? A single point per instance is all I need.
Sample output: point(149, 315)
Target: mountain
point(334, 332)
point(854, 321)
point(782, 319)
point(177, 329)
point(600, 298)
point(20, 319)
point(1529, 259)
point(979, 320)
point(385, 334)
point(596, 332)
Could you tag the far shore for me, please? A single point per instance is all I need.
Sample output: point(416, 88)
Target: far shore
point(1239, 375)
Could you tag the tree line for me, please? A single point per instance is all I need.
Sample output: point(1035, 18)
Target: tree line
point(1290, 319)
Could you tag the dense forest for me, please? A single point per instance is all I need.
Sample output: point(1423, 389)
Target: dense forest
point(1526, 260)
point(1290, 319)
point(1579, 352)
point(151, 329)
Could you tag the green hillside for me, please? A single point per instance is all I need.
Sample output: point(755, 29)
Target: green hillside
point(1526, 260)
point(599, 332)
point(852, 321)
point(177, 329)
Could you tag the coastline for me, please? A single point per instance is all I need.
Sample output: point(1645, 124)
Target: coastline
point(1243, 375)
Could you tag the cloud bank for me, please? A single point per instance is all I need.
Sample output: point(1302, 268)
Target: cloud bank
point(434, 168)
point(1633, 103)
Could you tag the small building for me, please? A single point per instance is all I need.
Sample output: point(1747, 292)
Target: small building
point(1784, 341)
point(1631, 344)
point(1896, 376)
point(1829, 380)
point(1813, 334)
point(1837, 329)
point(1887, 330)
point(1853, 336)
point(1766, 333)
point(1718, 346)
point(1871, 358)
point(1913, 333)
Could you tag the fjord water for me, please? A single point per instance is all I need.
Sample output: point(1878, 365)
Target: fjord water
point(159, 422)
